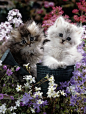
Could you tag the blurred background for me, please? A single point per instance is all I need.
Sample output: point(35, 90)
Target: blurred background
point(36, 9)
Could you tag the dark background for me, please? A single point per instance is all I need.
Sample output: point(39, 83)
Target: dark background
point(28, 8)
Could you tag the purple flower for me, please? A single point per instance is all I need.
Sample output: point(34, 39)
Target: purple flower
point(17, 68)
point(44, 113)
point(12, 97)
point(21, 104)
point(12, 85)
point(3, 84)
point(4, 67)
point(85, 109)
point(45, 103)
point(1, 96)
point(78, 65)
point(37, 106)
point(73, 101)
point(26, 98)
point(9, 72)
point(84, 70)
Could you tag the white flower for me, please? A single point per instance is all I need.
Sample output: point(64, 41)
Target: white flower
point(51, 88)
point(27, 85)
point(52, 84)
point(14, 107)
point(30, 92)
point(13, 113)
point(62, 93)
point(37, 88)
point(9, 18)
point(40, 101)
point(32, 80)
point(47, 76)
point(27, 77)
point(17, 103)
point(26, 65)
point(3, 108)
point(38, 93)
point(11, 108)
point(18, 88)
point(0, 63)
point(56, 94)
point(71, 89)
point(50, 94)
point(51, 78)
point(32, 110)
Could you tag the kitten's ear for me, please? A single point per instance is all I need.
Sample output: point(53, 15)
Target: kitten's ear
point(33, 26)
point(33, 23)
point(59, 21)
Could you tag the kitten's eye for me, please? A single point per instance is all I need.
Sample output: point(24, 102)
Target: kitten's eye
point(68, 38)
point(31, 38)
point(60, 35)
point(23, 41)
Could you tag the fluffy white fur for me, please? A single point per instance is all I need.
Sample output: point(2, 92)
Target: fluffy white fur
point(61, 51)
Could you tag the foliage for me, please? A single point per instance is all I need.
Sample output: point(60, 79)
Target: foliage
point(79, 17)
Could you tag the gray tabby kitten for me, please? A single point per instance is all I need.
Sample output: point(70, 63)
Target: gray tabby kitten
point(24, 44)
point(61, 50)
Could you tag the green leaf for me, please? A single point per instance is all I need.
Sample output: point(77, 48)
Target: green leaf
point(28, 111)
point(57, 106)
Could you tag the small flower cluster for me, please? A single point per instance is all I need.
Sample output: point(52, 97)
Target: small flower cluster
point(14, 17)
point(4, 109)
point(33, 99)
point(14, 20)
point(5, 29)
point(50, 18)
point(52, 87)
point(80, 13)
point(48, 4)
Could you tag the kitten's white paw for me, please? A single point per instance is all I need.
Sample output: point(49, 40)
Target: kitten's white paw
point(50, 62)
point(63, 65)
point(51, 65)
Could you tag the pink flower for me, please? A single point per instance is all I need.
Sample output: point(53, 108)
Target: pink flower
point(76, 18)
point(75, 11)
point(40, 11)
point(83, 18)
point(51, 4)
point(46, 4)
point(47, 16)
point(65, 0)
point(50, 18)
point(57, 10)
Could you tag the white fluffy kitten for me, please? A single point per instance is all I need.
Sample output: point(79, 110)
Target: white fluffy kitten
point(61, 50)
